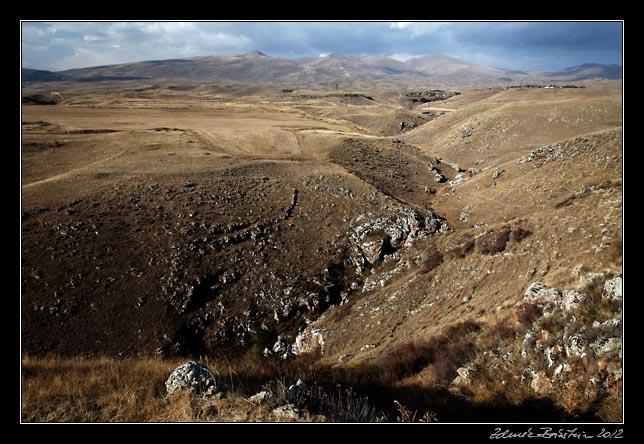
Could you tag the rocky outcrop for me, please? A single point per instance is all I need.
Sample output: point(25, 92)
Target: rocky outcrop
point(543, 300)
point(280, 349)
point(465, 215)
point(551, 347)
point(438, 175)
point(568, 337)
point(376, 237)
point(560, 151)
point(373, 249)
point(195, 378)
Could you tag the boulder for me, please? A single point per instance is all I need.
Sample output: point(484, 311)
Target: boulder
point(575, 345)
point(607, 348)
point(540, 294)
point(308, 341)
point(195, 378)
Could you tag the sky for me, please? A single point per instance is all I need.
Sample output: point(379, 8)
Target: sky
point(548, 46)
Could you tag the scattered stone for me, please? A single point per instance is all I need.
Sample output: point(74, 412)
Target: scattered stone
point(261, 397)
point(497, 173)
point(458, 179)
point(463, 375)
point(289, 411)
point(613, 289)
point(465, 215)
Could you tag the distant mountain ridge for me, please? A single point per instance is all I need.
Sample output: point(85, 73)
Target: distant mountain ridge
point(345, 69)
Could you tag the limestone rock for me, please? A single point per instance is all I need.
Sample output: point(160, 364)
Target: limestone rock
point(194, 377)
point(458, 179)
point(613, 289)
point(261, 397)
point(537, 293)
point(372, 250)
point(308, 341)
point(541, 384)
point(571, 299)
point(281, 348)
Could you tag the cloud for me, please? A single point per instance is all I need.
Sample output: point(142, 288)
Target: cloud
point(517, 45)
point(77, 44)
point(403, 56)
point(91, 38)
point(418, 29)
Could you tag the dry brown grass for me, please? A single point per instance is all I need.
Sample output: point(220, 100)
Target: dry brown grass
point(97, 390)
point(417, 375)
point(123, 390)
point(132, 390)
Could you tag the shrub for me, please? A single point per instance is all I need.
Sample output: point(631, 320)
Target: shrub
point(518, 234)
point(463, 249)
point(434, 259)
point(494, 241)
point(263, 338)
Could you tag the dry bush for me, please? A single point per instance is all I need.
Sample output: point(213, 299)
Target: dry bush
point(526, 313)
point(518, 234)
point(502, 330)
point(462, 249)
point(442, 354)
point(494, 241)
point(434, 259)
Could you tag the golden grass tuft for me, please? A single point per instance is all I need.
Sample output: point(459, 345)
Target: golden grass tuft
point(93, 390)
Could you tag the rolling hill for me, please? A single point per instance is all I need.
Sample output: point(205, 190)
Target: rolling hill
point(346, 69)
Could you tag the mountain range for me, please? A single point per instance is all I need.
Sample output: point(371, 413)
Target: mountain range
point(335, 69)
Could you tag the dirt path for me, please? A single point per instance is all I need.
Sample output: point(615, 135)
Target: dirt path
point(68, 173)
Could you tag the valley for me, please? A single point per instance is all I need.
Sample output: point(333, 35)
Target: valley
point(343, 233)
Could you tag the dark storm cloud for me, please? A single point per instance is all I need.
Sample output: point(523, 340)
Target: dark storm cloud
point(516, 45)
